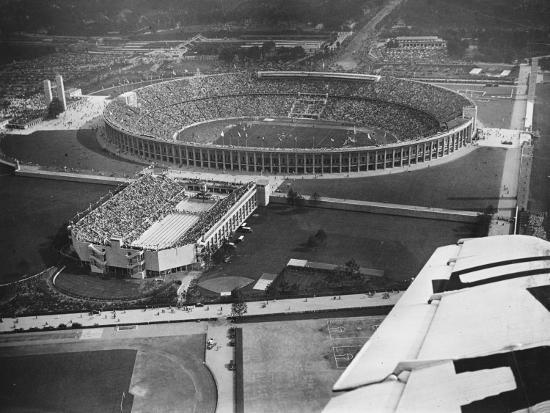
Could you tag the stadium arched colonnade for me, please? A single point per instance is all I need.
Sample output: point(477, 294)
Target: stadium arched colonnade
point(299, 160)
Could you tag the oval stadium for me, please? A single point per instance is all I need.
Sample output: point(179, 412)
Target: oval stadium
point(290, 123)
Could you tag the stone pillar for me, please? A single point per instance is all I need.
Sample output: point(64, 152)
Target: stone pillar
point(61, 91)
point(48, 91)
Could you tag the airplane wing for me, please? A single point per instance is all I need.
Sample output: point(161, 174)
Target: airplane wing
point(472, 333)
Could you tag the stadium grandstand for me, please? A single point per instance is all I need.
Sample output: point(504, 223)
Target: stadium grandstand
point(159, 224)
point(427, 121)
point(469, 335)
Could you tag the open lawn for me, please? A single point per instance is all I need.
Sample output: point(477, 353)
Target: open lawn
point(159, 368)
point(398, 245)
point(539, 191)
point(83, 285)
point(32, 212)
point(290, 366)
point(494, 113)
point(71, 148)
point(471, 182)
point(494, 104)
point(91, 381)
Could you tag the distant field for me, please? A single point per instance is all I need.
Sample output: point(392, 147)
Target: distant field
point(32, 211)
point(539, 194)
point(278, 134)
point(471, 182)
point(383, 242)
point(290, 366)
point(482, 90)
point(159, 368)
point(92, 381)
point(72, 149)
point(494, 104)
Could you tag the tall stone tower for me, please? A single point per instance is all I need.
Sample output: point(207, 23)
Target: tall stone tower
point(61, 91)
point(48, 91)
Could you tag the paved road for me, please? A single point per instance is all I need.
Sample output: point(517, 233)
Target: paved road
point(363, 39)
point(146, 316)
point(510, 175)
point(217, 359)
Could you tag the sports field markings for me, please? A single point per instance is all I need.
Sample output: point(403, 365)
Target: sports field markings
point(343, 355)
point(91, 333)
point(471, 92)
point(132, 327)
point(338, 332)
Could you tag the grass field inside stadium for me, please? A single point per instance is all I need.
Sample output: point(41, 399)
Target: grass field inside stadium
point(285, 133)
point(291, 366)
point(376, 241)
point(92, 381)
point(471, 182)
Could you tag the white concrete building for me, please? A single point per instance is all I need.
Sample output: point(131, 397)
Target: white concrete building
point(157, 225)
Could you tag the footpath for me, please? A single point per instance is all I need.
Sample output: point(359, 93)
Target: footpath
point(207, 312)
point(517, 162)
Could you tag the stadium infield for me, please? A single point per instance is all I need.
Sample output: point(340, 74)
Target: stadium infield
point(471, 182)
point(291, 365)
point(285, 133)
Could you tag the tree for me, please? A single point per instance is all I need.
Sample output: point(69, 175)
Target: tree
point(253, 53)
point(227, 54)
point(321, 235)
point(238, 307)
point(352, 268)
point(55, 108)
point(291, 196)
point(268, 48)
point(317, 239)
point(298, 52)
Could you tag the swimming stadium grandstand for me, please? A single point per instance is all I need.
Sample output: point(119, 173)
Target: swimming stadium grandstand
point(159, 224)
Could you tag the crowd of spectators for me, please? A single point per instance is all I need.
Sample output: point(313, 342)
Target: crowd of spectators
point(409, 109)
point(22, 79)
point(403, 121)
point(429, 55)
point(132, 210)
point(21, 82)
